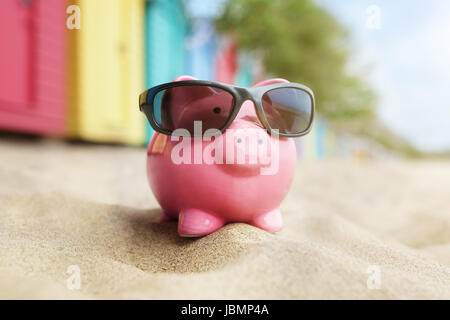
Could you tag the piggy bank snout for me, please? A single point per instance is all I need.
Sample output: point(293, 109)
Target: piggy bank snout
point(246, 144)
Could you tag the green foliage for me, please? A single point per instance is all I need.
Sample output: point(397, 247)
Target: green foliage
point(300, 41)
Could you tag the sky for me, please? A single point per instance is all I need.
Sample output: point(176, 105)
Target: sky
point(403, 49)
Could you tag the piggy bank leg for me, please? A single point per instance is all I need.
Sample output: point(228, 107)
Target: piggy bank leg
point(270, 221)
point(197, 223)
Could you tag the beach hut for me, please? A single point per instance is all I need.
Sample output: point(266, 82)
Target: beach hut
point(320, 139)
point(244, 74)
point(32, 64)
point(227, 61)
point(201, 47)
point(330, 144)
point(166, 28)
point(308, 144)
point(106, 71)
point(317, 144)
point(232, 66)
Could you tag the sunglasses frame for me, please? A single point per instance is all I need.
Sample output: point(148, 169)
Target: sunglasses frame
point(240, 95)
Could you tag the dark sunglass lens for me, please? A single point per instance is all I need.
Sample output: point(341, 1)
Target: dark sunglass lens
point(288, 109)
point(179, 107)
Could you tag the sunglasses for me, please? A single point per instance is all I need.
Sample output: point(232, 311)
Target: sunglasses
point(285, 107)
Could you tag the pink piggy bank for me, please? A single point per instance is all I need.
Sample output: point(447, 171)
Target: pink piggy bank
point(204, 195)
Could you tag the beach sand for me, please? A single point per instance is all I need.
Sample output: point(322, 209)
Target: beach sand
point(353, 230)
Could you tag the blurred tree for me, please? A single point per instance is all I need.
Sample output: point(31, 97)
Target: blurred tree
point(300, 41)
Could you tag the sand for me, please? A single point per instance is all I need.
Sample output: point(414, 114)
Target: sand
point(72, 204)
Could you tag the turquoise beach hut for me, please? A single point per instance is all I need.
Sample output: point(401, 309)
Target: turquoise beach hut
point(166, 29)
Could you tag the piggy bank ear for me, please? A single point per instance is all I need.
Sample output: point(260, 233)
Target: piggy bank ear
point(184, 77)
point(270, 81)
